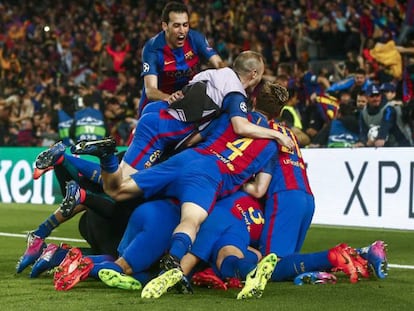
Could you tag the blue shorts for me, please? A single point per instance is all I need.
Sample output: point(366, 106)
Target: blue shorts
point(155, 132)
point(221, 228)
point(219, 231)
point(288, 216)
point(155, 107)
point(148, 233)
point(187, 176)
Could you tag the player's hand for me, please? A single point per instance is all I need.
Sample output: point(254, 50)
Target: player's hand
point(285, 141)
point(174, 97)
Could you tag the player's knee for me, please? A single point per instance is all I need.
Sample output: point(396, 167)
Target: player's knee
point(226, 251)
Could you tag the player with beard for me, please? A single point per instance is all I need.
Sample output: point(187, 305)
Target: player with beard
point(172, 57)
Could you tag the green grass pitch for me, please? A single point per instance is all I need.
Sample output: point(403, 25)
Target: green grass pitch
point(19, 292)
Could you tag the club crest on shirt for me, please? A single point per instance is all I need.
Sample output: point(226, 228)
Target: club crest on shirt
point(243, 107)
point(145, 67)
point(189, 55)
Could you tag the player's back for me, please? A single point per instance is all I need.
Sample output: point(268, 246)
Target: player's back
point(237, 155)
point(290, 171)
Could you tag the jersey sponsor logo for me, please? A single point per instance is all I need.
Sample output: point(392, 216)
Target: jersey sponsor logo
point(153, 158)
point(166, 63)
point(243, 107)
point(177, 74)
point(145, 67)
point(223, 159)
point(294, 163)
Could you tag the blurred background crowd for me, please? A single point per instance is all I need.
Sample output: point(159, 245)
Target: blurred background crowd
point(59, 58)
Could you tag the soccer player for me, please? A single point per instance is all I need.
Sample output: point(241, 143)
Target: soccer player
point(209, 161)
point(234, 222)
point(222, 163)
point(289, 210)
point(224, 241)
point(145, 240)
point(101, 225)
point(226, 88)
point(172, 57)
point(154, 133)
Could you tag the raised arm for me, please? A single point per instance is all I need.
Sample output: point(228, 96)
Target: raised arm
point(244, 127)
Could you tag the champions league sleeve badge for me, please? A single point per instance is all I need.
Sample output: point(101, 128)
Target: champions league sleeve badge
point(145, 67)
point(243, 107)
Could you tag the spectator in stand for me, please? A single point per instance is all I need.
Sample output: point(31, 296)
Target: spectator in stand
point(45, 134)
point(285, 70)
point(390, 92)
point(346, 98)
point(20, 109)
point(290, 117)
point(333, 40)
point(354, 84)
point(72, 46)
point(4, 123)
point(119, 126)
point(25, 136)
point(118, 55)
point(361, 101)
point(309, 82)
point(9, 63)
point(342, 131)
point(380, 125)
point(407, 28)
point(309, 87)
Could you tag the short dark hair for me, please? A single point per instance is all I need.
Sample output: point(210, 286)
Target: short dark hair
point(173, 6)
point(360, 71)
point(302, 66)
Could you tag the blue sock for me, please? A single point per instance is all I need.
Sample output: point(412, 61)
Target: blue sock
point(251, 256)
point(46, 228)
point(363, 251)
point(110, 163)
point(143, 277)
point(90, 170)
point(101, 258)
point(233, 266)
point(104, 265)
point(180, 244)
point(292, 265)
point(58, 257)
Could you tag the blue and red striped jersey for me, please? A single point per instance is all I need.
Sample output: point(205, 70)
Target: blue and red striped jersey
point(174, 67)
point(238, 157)
point(287, 167)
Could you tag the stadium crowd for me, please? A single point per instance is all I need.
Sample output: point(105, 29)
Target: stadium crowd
point(65, 56)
